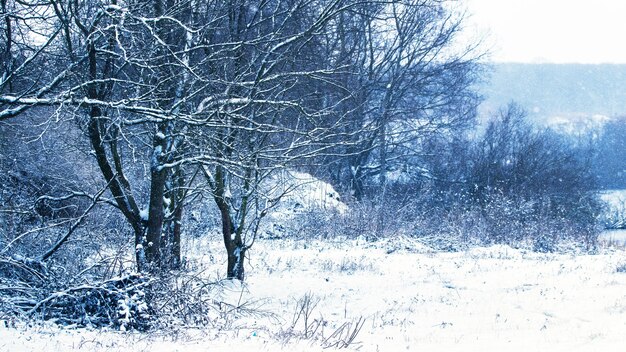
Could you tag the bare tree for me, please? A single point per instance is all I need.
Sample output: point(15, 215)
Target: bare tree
point(410, 79)
point(269, 116)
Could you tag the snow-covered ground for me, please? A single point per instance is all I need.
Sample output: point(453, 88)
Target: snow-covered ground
point(409, 297)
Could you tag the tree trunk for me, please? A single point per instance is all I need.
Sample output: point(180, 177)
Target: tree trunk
point(175, 257)
point(171, 256)
point(179, 194)
point(140, 251)
point(382, 201)
point(356, 182)
point(155, 219)
point(235, 249)
point(236, 256)
point(158, 176)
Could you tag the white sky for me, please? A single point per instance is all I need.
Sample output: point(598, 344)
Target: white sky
point(554, 31)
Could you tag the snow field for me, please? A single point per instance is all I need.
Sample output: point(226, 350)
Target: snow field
point(412, 298)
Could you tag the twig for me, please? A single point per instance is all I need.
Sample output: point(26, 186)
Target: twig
point(74, 226)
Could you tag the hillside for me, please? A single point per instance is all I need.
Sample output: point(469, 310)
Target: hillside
point(553, 92)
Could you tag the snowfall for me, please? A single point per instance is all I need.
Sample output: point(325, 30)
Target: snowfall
point(385, 295)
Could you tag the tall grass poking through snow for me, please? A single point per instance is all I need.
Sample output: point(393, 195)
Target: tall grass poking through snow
point(307, 324)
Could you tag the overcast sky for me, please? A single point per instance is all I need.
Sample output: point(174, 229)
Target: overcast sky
point(554, 31)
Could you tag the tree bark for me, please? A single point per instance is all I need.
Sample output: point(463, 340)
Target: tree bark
point(155, 220)
point(158, 177)
point(235, 248)
point(175, 193)
point(236, 257)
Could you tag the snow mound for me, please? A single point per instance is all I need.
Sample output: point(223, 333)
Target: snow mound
point(614, 215)
point(403, 244)
point(299, 195)
point(302, 192)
